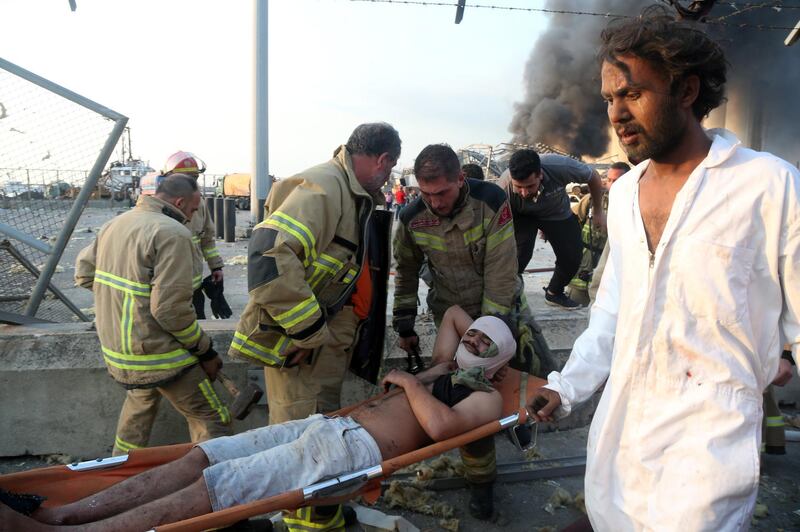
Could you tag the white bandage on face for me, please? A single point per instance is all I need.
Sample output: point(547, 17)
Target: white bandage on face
point(499, 333)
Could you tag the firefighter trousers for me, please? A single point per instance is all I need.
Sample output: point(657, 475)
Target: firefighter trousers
point(314, 385)
point(772, 425)
point(191, 394)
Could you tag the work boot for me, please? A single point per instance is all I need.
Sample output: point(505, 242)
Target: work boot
point(481, 501)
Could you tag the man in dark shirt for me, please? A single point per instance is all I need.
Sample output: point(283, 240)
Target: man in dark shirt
point(537, 193)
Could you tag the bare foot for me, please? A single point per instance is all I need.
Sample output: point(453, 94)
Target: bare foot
point(11, 521)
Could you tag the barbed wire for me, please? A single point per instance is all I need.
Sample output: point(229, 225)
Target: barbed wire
point(720, 21)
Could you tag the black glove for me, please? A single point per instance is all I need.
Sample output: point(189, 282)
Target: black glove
point(214, 292)
point(199, 303)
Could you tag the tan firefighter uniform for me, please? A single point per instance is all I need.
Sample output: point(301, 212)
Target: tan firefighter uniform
point(472, 258)
point(304, 259)
point(202, 227)
point(204, 245)
point(594, 240)
point(139, 270)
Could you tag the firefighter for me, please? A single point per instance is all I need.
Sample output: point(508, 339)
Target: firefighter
point(463, 228)
point(202, 227)
point(593, 238)
point(151, 341)
point(305, 260)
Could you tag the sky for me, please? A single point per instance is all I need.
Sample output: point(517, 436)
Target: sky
point(182, 71)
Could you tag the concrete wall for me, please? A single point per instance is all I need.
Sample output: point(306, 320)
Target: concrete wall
point(57, 397)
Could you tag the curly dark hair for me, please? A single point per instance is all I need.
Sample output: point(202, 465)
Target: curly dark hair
point(677, 48)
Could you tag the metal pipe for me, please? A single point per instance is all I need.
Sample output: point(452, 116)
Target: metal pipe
point(73, 216)
point(26, 239)
point(63, 92)
point(229, 209)
point(261, 181)
point(219, 217)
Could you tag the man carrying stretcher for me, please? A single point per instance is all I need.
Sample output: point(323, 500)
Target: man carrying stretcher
point(447, 400)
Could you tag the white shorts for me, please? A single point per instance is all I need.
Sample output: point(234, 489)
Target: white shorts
point(266, 461)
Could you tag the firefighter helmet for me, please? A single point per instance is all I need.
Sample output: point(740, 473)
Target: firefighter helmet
point(185, 163)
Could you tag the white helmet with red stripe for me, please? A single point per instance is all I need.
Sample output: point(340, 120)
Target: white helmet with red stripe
point(185, 163)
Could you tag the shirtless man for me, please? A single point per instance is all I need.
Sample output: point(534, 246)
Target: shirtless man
point(263, 462)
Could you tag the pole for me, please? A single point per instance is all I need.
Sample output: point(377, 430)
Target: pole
point(210, 207)
point(261, 181)
point(219, 216)
point(230, 219)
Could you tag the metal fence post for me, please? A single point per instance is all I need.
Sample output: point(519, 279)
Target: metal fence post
point(219, 218)
point(230, 220)
point(210, 208)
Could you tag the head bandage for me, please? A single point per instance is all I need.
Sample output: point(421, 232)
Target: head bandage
point(499, 333)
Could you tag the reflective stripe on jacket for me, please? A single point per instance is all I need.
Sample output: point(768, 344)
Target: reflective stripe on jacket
point(202, 227)
point(303, 260)
point(139, 270)
point(470, 255)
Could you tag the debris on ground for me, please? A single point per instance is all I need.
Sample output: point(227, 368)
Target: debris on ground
point(237, 260)
point(793, 421)
point(440, 467)
point(560, 498)
point(761, 511)
point(579, 502)
point(89, 312)
point(377, 521)
point(59, 459)
point(409, 497)
point(533, 454)
point(449, 524)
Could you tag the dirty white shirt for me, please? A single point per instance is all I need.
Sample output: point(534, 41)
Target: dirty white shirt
point(687, 342)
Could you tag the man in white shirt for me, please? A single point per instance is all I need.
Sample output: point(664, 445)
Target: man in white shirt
point(701, 289)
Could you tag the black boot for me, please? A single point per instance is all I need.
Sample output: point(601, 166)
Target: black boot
point(481, 501)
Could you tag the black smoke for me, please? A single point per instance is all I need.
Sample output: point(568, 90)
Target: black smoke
point(562, 105)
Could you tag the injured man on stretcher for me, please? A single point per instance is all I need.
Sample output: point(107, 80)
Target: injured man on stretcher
point(445, 401)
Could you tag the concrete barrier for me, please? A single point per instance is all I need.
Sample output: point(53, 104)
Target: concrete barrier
point(57, 397)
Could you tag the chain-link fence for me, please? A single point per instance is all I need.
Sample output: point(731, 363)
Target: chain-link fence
point(54, 146)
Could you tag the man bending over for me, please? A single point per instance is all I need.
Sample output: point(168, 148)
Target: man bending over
point(447, 400)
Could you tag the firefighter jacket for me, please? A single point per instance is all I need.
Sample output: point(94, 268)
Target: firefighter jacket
point(139, 270)
point(470, 256)
point(303, 260)
point(202, 227)
point(204, 247)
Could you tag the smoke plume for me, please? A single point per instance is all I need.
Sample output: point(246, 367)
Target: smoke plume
point(562, 105)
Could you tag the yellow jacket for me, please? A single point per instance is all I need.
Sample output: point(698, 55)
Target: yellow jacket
point(140, 272)
point(304, 259)
point(204, 245)
point(202, 227)
point(471, 256)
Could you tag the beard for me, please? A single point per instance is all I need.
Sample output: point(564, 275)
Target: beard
point(668, 129)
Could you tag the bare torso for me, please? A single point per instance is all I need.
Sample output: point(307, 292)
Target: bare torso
point(393, 425)
point(656, 196)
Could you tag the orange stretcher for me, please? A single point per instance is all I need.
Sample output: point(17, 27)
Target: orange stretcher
point(66, 484)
